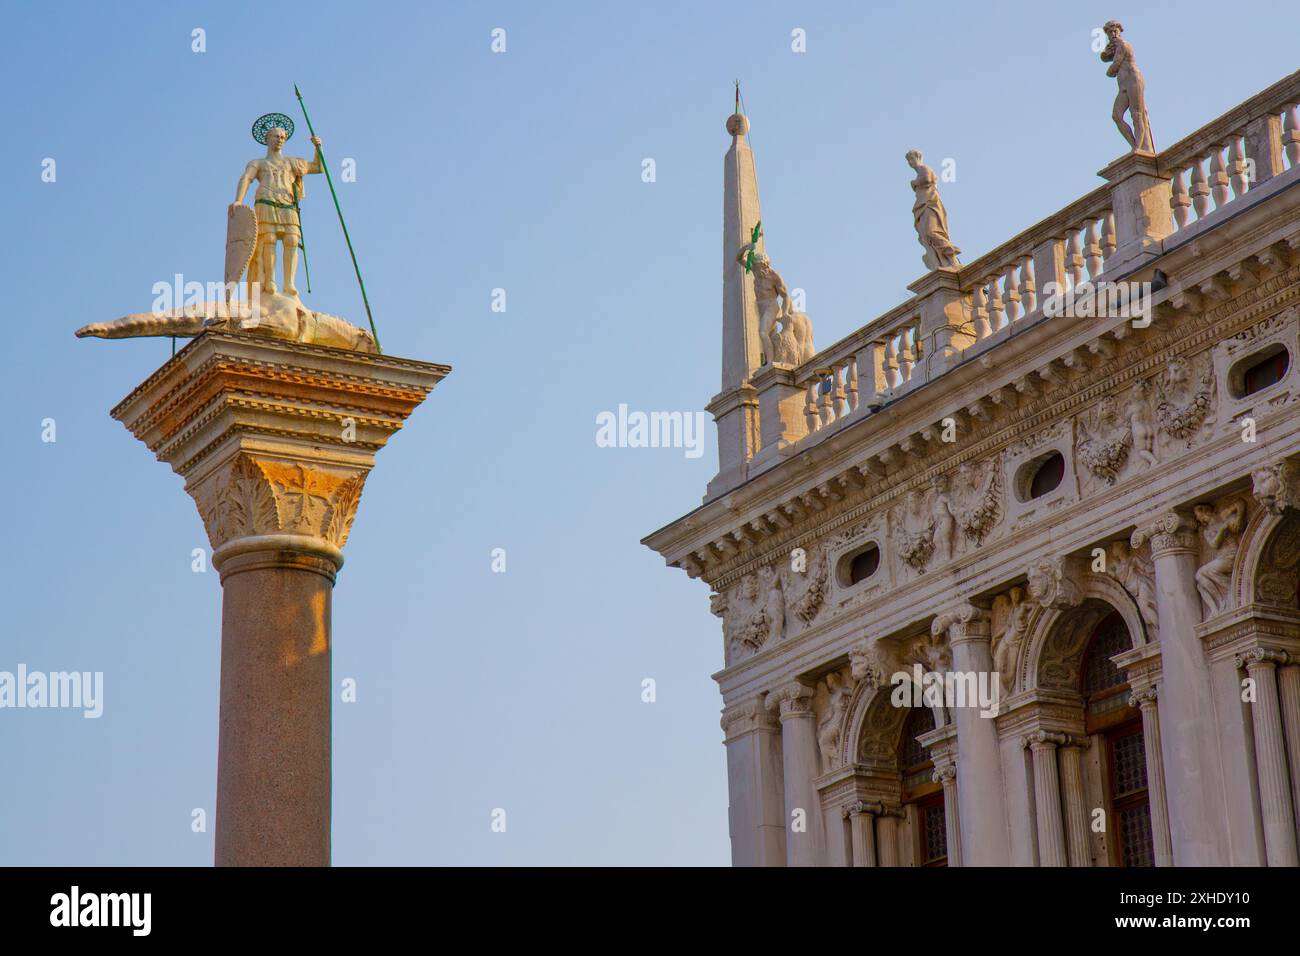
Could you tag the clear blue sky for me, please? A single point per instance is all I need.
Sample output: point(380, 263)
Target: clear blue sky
point(477, 171)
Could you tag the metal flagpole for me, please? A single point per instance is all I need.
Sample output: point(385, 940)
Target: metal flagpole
point(337, 209)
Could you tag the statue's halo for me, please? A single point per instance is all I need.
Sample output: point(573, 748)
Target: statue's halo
point(264, 124)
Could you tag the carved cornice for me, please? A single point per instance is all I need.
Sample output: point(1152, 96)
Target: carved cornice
point(1147, 352)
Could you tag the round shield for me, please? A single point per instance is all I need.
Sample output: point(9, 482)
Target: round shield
point(264, 124)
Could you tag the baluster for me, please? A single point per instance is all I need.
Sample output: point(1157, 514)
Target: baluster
point(839, 404)
point(1107, 237)
point(1240, 179)
point(905, 357)
point(1291, 137)
point(980, 313)
point(1073, 260)
point(810, 410)
point(851, 382)
point(918, 344)
point(995, 304)
point(1200, 190)
point(1011, 294)
point(891, 364)
point(1092, 249)
point(1028, 291)
point(1219, 178)
point(827, 390)
point(1179, 201)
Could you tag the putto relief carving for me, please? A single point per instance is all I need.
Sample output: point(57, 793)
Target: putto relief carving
point(1221, 528)
point(912, 529)
point(812, 593)
point(951, 517)
point(752, 612)
point(977, 498)
point(1105, 440)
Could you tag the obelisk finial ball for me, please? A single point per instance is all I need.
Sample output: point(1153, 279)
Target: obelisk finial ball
point(737, 124)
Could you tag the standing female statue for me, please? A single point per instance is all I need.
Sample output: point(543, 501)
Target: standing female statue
point(930, 217)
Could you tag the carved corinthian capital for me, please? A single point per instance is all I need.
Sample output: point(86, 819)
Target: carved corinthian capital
point(961, 621)
point(1055, 582)
point(1277, 485)
point(1174, 530)
point(253, 496)
point(791, 700)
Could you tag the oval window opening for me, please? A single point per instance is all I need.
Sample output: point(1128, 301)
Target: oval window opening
point(864, 564)
point(1261, 371)
point(1048, 476)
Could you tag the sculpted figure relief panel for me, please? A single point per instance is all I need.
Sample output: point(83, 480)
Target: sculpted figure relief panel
point(1157, 419)
point(769, 604)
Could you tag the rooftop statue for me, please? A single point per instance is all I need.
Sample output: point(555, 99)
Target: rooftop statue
point(1132, 90)
point(792, 342)
point(251, 241)
point(930, 217)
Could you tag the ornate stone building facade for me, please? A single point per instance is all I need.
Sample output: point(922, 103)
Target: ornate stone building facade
point(1093, 515)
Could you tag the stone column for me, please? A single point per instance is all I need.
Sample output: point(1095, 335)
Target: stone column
point(274, 440)
point(1270, 756)
point(980, 796)
point(946, 774)
point(1145, 699)
point(1188, 736)
point(887, 835)
point(1047, 797)
point(1288, 682)
point(862, 825)
point(803, 825)
point(755, 812)
point(1074, 799)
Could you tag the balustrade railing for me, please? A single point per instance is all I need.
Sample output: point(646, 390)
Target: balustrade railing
point(1208, 170)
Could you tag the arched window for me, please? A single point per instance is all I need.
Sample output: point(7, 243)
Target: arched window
point(930, 841)
point(1109, 715)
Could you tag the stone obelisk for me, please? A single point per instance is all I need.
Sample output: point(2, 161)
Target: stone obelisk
point(735, 408)
point(274, 439)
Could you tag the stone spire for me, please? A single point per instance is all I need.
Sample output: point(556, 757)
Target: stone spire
point(735, 408)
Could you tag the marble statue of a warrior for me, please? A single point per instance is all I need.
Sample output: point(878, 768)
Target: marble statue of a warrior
point(279, 189)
